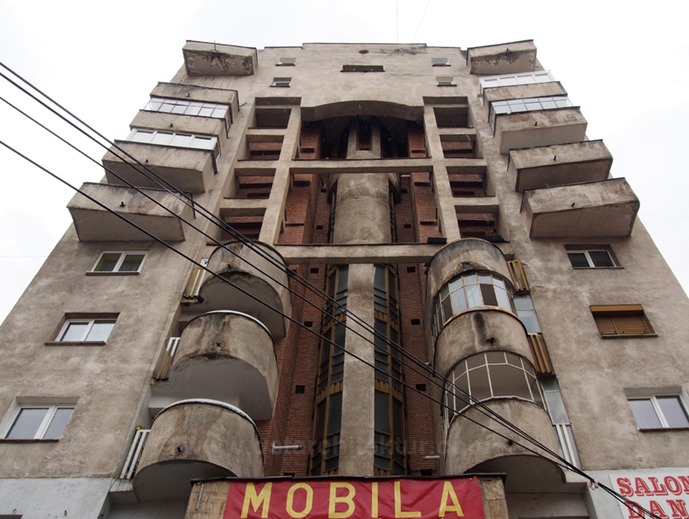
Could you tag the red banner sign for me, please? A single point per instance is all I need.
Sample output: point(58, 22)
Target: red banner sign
point(341, 499)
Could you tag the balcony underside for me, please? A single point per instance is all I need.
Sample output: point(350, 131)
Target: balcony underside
point(225, 356)
point(473, 448)
point(539, 128)
point(255, 274)
point(196, 439)
point(180, 169)
point(593, 209)
point(558, 165)
point(519, 56)
point(94, 223)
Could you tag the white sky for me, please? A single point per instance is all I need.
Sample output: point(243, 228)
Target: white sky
point(626, 64)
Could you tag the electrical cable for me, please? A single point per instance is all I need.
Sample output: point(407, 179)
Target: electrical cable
point(188, 258)
point(496, 416)
point(442, 404)
point(445, 382)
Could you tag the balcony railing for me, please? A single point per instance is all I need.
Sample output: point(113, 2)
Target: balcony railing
point(134, 454)
point(163, 371)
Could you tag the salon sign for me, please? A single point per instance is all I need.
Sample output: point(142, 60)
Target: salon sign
point(665, 494)
point(449, 498)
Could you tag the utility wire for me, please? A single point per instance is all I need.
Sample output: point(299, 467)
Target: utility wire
point(445, 382)
point(469, 398)
point(568, 465)
point(296, 322)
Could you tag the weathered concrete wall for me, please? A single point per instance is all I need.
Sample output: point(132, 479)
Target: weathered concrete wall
point(54, 497)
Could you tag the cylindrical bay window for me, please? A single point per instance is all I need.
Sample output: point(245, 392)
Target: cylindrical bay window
point(471, 290)
point(490, 375)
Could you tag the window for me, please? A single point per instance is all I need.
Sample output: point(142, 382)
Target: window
point(282, 82)
point(286, 62)
point(527, 314)
point(440, 62)
point(38, 422)
point(183, 107)
point(363, 68)
point(515, 79)
point(182, 140)
point(445, 81)
point(665, 409)
point(511, 106)
point(471, 291)
point(119, 262)
point(485, 376)
point(86, 330)
point(591, 258)
point(328, 406)
point(621, 320)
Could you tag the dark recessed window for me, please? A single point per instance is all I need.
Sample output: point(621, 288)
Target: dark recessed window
point(299, 389)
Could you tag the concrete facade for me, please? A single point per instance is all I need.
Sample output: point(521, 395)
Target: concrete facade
point(364, 275)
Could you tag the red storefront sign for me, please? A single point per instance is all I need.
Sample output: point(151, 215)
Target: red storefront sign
point(342, 499)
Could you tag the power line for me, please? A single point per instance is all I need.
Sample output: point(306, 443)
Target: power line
point(506, 423)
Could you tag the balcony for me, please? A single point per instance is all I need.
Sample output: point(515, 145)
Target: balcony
point(186, 169)
point(559, 165)
point(479, 330)
point(256, 284)
point(225, 356)
point(214, 59)
point(473, 448)
point(539, 128)
point(463, 256)
point(196, 439)
point(93, 223)
point(605, 208)
point(517, 56)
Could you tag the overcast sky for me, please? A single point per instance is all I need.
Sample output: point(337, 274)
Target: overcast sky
point(626, 65)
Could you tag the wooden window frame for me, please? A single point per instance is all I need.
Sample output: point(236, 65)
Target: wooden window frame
point(622, 321)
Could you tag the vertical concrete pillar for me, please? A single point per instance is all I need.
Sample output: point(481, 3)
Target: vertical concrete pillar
point(356, 442)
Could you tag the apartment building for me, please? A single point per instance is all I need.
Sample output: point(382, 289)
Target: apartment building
point(350, 280)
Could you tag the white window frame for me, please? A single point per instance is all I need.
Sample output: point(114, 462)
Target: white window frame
point(123, 256)
point(440, 62)
point(187, 107)
point(652, 395)
point(526, 104)
point(281, 82)
point(591, 265)
point(525, 78)
point(89, 327)
point(286, 62)
point(51, 409)
point(175, 139)
point(445, 81)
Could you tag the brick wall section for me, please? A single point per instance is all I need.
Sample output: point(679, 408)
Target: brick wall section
point(424, 205)
point(306, 203)
point(419, 421)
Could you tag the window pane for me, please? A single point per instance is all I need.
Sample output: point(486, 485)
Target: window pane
point(478, 379)
point(601, 258)
point(107, 262)
point(674, 413)
point(100, 330)
point(75, 331)
point(27, 423)
point(488, 295)
point(578, 259)
point(644, 414)
point(58, 423)
point(131, 263)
